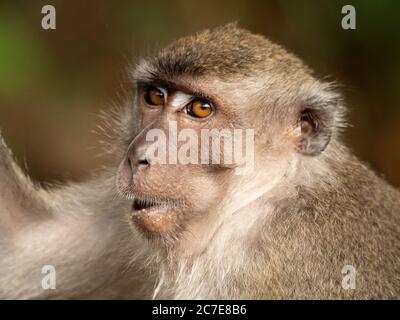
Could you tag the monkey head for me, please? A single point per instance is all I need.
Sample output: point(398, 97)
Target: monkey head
point(222, 83)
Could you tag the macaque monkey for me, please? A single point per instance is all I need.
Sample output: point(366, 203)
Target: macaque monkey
point(307, 221)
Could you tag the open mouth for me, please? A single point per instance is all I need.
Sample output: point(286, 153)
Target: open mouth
point(156, 216)
point(141, 204)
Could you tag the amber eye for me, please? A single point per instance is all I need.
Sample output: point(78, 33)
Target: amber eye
point(154, 96)
point(199, 109)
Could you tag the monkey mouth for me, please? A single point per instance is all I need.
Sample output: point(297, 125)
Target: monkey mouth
point(144, 204)
point(140, 205)
point(156, 216)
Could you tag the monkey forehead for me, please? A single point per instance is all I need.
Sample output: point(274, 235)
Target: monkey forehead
point(223, 51)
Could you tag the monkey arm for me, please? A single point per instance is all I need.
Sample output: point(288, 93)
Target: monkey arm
point(77, 229)
point(13, 183)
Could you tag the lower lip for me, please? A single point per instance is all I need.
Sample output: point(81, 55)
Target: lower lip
point(156, 220)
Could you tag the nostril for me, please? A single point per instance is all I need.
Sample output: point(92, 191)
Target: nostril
point(143, 162)
point(134, 163)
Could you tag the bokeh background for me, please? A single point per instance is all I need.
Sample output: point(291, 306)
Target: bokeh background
point(53, 82)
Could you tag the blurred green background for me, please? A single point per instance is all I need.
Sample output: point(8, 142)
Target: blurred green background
point(53, 82)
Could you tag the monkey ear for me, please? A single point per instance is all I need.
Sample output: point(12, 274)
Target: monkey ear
point(318, 119)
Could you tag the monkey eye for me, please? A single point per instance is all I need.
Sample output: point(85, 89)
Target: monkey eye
point(154, 96)
point(199, 108)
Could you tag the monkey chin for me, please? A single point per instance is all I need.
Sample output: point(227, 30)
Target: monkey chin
point(156, 218)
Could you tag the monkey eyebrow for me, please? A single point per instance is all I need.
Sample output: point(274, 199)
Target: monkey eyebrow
point(172, 86)
point(157, 83)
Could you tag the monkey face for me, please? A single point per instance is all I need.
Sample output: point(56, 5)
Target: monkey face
point(175, 169)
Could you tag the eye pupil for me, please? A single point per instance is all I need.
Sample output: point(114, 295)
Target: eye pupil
point(154, 96)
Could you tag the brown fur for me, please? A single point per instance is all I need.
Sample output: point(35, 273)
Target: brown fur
point(309, 208)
